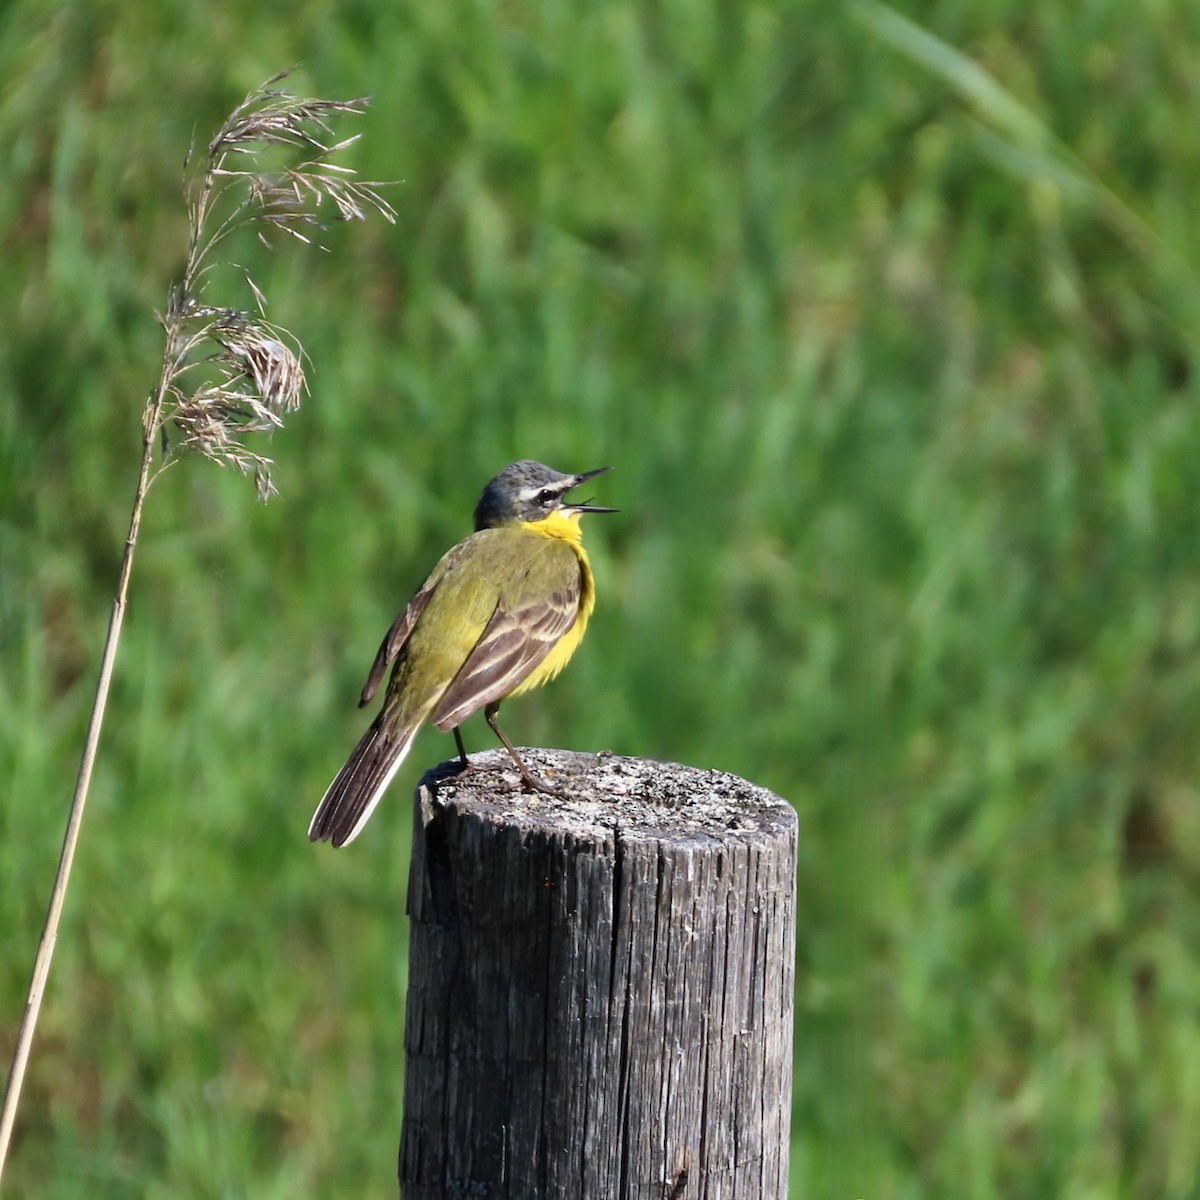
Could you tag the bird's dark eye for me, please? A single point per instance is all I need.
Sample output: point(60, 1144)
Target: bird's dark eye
point(545, 496)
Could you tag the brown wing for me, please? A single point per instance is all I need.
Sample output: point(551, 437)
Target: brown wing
point(523, 630)
point(396, 637)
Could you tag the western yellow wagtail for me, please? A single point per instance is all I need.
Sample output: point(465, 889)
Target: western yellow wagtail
point(502, 612)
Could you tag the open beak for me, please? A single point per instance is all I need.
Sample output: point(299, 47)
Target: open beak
point(586, 506)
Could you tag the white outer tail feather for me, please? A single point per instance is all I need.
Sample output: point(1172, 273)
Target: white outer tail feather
point(376, 796)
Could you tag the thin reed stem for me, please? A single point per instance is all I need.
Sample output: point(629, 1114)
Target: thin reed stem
point(45, 954)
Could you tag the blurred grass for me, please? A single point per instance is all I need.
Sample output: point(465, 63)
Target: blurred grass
point(904, 418)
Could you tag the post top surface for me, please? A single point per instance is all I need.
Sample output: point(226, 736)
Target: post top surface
point(607, 793)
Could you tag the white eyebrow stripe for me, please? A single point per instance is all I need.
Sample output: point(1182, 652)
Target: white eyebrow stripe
point(532, 492)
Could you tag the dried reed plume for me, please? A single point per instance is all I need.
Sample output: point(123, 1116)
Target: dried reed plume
point(226, 373)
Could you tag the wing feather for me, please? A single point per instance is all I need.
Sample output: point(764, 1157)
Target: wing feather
point(522, 631)
point(395, 638)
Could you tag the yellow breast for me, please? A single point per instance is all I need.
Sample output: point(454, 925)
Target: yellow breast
point(566, 528)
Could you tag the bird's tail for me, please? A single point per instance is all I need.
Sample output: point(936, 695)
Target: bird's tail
point(351, 797)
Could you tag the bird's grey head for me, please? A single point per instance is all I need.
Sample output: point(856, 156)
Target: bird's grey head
point(530, 491)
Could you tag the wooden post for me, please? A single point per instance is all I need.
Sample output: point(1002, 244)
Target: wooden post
point(600, 988)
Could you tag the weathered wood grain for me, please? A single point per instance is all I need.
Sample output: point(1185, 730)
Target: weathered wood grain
point(600, 988)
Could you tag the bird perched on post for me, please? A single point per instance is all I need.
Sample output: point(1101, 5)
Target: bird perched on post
point(502, 612)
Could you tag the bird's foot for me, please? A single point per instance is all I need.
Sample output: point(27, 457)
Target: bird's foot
point(531, 783)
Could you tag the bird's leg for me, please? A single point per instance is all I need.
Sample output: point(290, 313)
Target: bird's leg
point(462, 754)
point(530, 781)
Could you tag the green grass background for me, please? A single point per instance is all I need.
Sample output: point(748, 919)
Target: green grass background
point(891, 332)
